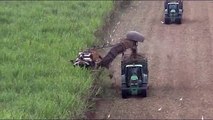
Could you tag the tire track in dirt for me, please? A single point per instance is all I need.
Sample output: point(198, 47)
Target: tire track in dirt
point(180, 63)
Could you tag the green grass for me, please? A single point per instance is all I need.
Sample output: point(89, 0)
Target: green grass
point(37, 39)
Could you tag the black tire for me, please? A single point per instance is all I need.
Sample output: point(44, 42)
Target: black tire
point(122, 68)
point(124, 92)
point(144, 93)
point(178, 21)
point(167, 21)
point(181, 5)
point(165, 4)
point(146, 71)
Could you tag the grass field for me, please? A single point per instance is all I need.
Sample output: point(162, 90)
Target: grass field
point(37, 39)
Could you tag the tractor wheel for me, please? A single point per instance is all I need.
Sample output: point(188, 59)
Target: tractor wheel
point(124, 92)
point(165, 4)
point(178, 21)
point(181, 5)
point(144, 93)
point(167, 21)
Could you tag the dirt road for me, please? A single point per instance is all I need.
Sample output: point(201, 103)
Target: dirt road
point(180, 63)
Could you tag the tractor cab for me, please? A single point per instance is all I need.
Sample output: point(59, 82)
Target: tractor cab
point(134, 75)
point(173, 8)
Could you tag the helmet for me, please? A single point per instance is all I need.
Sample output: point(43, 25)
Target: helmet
point(135, 36)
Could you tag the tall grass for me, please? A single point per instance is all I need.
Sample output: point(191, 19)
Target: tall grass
point(37, 39)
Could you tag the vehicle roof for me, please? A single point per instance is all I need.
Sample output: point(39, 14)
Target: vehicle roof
point(137, 65)
point(173, 3)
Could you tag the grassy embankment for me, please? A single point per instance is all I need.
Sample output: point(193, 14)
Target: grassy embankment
point(37, 39)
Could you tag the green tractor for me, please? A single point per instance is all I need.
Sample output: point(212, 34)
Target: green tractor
point(173, 10)
point(134, 77)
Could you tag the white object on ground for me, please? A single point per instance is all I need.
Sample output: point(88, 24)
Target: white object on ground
point(162, 22)
point(118, 23)
point(108, 116)
point(202, 118)
point(160, 109)
point(181, 99)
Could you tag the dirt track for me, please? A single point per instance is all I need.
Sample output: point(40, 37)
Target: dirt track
point(180, 63)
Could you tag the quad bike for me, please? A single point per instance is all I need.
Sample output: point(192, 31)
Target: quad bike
point(134, 67)
point(173, 10)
